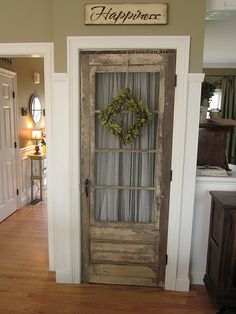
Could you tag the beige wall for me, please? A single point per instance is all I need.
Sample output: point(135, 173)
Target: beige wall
point(219, 71)
point(186, 17)
point(25, 20)
point(54, 20)
point(24, 68)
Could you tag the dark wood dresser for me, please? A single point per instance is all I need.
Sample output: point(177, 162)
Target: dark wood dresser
point(220, 277)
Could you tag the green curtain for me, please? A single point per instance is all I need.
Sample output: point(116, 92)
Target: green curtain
point(228, 111)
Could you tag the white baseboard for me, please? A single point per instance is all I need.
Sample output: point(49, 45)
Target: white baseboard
point(197, 278)
point(25, 200)
point(182, 284)
point(63, 277)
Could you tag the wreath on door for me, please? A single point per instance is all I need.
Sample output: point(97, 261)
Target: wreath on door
point(125, 100)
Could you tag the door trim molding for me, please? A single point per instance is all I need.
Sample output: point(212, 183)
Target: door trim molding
point(182, 45)
point(189, 178)
point(44, 50)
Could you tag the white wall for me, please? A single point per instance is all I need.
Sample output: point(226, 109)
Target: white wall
point(61, 169)
point(221, 5)
point(220, 42)
point(201, 219)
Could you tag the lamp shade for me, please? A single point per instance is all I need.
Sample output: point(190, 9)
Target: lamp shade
point(36, 134)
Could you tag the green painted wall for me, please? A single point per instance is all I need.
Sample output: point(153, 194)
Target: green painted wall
point(25, 21)
point(219, 71)
point(54, 20)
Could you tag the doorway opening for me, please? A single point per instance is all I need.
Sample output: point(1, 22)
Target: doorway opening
point(126, 178)
point(21, 54)
point(29, 128)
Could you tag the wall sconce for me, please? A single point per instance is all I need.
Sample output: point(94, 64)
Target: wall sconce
point(36, 135)
point(24, 111)
point(36, 78)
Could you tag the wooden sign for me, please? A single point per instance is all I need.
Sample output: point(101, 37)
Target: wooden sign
point(121, 14)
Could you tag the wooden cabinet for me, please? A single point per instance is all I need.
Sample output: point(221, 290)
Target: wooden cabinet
point(220, 278)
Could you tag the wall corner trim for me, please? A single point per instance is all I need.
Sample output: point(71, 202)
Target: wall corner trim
point(189, 176)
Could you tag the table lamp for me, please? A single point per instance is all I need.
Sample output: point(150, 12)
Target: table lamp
point(36, 135)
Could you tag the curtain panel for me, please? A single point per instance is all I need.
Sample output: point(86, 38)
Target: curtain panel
point(228, 111)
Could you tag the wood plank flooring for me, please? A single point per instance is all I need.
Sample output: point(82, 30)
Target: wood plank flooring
point(26, 286)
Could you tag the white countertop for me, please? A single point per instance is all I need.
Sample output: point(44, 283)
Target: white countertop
point(230, 178)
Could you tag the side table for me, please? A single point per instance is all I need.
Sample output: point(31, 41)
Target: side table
point(38, 175)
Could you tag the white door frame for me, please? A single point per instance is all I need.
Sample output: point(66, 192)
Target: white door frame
point(181, 44)
point(44, 50)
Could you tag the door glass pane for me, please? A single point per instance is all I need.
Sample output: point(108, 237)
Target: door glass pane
point(124, 205)
point(144, 85)
point(125, 169)
point(147, 139)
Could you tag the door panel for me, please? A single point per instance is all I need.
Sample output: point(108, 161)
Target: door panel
point(10, 180)
point(120, 252)
point(123, 274)
point(126, 199)
point(8, 198)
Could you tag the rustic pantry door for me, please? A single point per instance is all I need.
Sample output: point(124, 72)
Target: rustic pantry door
point(125, 187)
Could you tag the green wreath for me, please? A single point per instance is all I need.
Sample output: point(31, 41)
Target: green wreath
point(125, 99)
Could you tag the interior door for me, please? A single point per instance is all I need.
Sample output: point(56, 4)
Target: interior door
point(8, 196)
point(125, 194)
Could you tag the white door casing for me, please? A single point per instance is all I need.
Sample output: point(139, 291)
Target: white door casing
point(8, 141)
point(180, 161)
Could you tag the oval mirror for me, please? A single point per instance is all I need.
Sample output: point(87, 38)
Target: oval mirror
point(35, 109)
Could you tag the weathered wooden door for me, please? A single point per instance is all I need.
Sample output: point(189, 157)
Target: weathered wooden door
point(125, 187)
point(8, 197)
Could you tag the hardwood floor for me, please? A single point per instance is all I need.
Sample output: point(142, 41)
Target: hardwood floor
point(26, 286)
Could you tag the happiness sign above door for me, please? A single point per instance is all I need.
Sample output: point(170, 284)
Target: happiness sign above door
point(121, 14)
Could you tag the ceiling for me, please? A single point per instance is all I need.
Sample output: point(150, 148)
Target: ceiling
point(220, 39)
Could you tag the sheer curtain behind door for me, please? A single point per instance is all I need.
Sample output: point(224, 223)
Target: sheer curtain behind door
point(228, 111)
point(125, 173)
